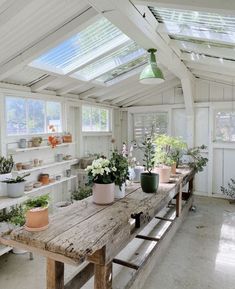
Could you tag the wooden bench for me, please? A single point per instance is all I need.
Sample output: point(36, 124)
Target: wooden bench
point(88, 232)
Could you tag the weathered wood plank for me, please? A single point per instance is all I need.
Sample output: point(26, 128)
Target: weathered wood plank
point(179, 202)
point(55, 274)
point(103, 276)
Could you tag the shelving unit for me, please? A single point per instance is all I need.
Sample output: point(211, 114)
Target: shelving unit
point(19, 150)
point(4, 249)
point(6, 202)
point(49, 165)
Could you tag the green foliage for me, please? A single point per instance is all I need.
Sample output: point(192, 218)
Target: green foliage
point(169, 150)
point(230, 191)
point(39, 202)
point(120, 162)
point(15, 216)
point(82, 193)
point(197, 162)
point(18, 179)
point(6, 165)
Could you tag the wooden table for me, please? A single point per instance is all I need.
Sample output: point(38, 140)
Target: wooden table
point(88, 232)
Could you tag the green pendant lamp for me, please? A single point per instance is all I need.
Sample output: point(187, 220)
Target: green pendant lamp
point(151, 74)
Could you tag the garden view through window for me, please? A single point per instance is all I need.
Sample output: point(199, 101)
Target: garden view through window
point(225, 126)
point(95, 119)
point(32, 116)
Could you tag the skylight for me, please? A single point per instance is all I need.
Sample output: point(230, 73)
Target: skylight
point(199, 25)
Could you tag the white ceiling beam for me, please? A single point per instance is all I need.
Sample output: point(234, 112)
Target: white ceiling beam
point(66, 89)
point(42, 84)
point(213, 76)
point(49, 41)
point(217, 6)
point(171, 82)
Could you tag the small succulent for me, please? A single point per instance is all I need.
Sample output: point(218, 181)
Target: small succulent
point(6, 165)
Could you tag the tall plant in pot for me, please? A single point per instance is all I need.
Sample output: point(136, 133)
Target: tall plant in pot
point(36, 214)
point(149, 180)
point(121, 174)
point(16, 186)
point(6, 166)
point(101, 177)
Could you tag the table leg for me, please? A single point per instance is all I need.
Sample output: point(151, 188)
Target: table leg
point(55, 274)
point(103, 276)
point(179, 201)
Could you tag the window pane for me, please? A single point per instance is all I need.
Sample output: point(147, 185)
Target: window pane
point(36, 116)
point(53, 110)
point(95, 119)
point(16, 115)
point(225, 126)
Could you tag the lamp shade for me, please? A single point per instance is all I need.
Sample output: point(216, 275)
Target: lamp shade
point(151, 74)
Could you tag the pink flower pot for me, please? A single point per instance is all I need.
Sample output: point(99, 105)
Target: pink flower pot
point(164, 174)
point(103, 194)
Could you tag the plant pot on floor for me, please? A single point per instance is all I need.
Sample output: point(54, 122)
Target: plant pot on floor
point(103, 194)
point(37, 219)
point(15, 190)
point(164, 173)
point(149, 182)
point(3, 186)
point(120, 192)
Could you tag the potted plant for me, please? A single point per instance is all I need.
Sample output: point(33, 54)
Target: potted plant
point(6, 166)
point(121, 174)
point(196, 161)
point(36, 215)
point(100, 175)
point(16, 186)
point(81, 193)
point(130, 159)
point(149, 180)
point(36, 141)
point(229, 191)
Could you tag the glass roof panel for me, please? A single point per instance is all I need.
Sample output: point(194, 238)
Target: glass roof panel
point(195, 24)
point(94, 40)
point(121, 57)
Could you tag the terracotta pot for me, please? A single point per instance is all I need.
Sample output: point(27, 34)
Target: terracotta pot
point(67, 138)
point(37, 219)
point(103, 194)
point(19, 166)
point(44, 179)
point(173, 169)
point(120, 193)
point(164, 173)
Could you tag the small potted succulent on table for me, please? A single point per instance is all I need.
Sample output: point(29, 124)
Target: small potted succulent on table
point(101, 177)
point(149, 180)
point(16, 186)
point(121, 174)
point(6, 166)
point(37, 218)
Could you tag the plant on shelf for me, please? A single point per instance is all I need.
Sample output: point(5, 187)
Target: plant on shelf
point(36, 209)
point(149, 180)
point(6, 166)
point(81, 193)
point(101, 177)
point(16, 186)
point(36, 141)
point(121, 174)
point(196, 161)
point(230, 190)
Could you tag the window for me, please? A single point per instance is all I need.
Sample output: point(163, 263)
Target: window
point(32, 116)
point(225, 126)
point(95, 119)
point(144, 122)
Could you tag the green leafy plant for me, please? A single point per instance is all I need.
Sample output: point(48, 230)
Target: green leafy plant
point(169, 150)
point(18, 179)
point(82, 193)
point(6, 165)
point(15, 216)
point(120, 162)
point(230, 190)
point(196, 161)
point(39, 202)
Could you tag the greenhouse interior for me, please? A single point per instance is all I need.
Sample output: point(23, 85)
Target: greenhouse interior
point(117, 144)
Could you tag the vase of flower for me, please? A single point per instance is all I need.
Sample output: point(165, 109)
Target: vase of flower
point(101, 177)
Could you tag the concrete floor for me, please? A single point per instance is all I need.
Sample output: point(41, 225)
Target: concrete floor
point(202, 255)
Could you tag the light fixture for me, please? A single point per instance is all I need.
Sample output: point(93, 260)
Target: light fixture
point(151, 74)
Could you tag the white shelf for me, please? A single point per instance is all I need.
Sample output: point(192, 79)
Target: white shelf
point(4, 249)
point(6, 202)
point(71, 162)
point(19, 150)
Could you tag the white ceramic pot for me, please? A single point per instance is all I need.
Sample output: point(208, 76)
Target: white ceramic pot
point(15, 190)
point(120, 193)
point(3, 186)
point(164, 173)
point(131, 173)
point(103, 194)
point(138, 170)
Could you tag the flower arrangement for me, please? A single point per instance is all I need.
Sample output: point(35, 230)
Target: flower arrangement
point(101, 171)
point(120, 162)
point(52, 140)
point(129, 155)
